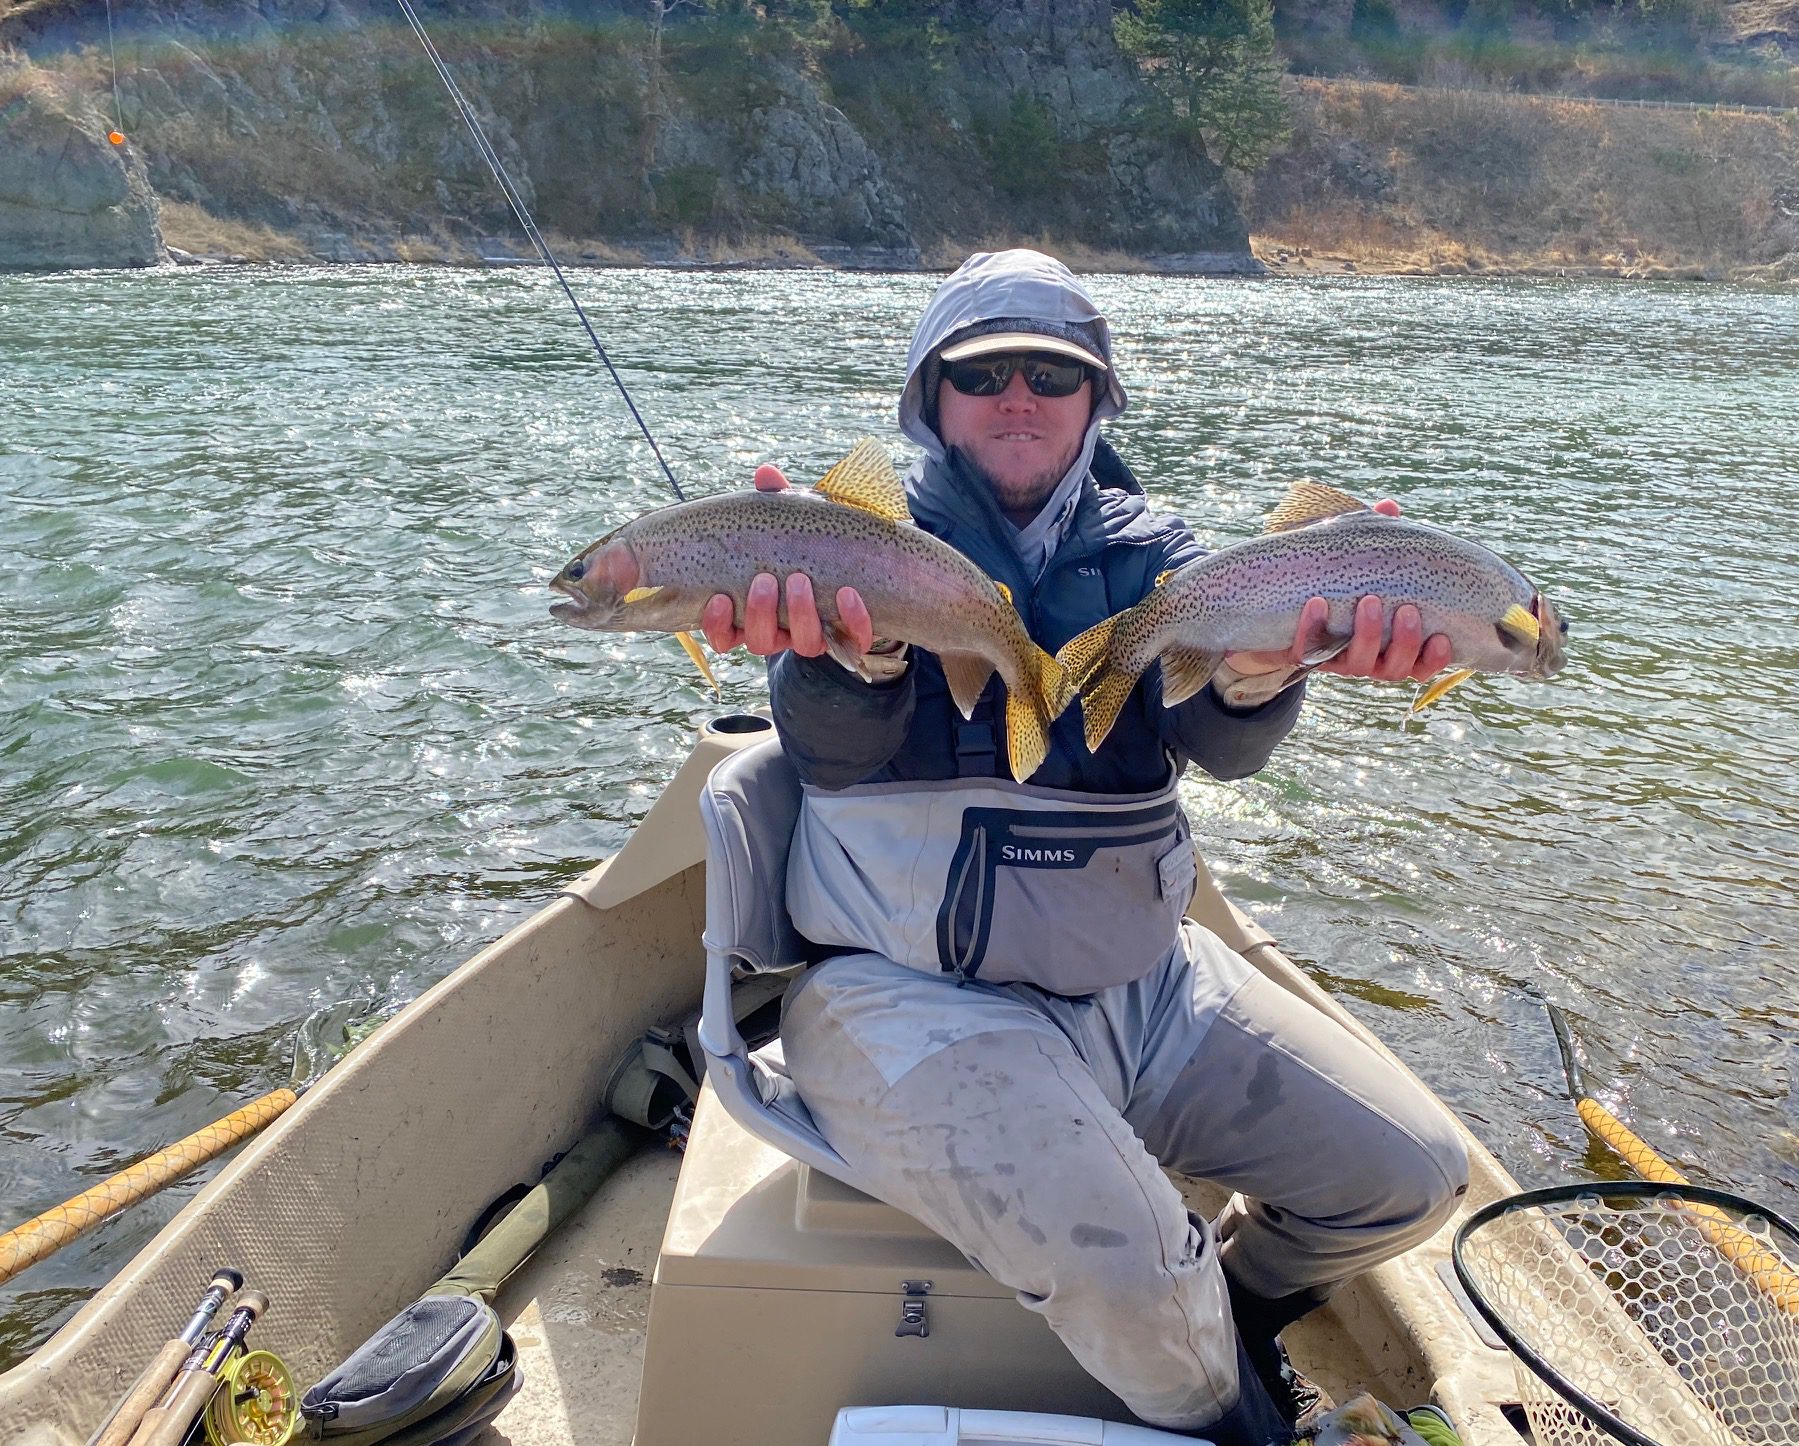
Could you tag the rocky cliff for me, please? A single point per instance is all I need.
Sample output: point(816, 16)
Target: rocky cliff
point(68, 197)
point(884, 136)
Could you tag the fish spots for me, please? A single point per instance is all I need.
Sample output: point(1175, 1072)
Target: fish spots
point(1005, 1169)
point(1029, 1229)
point(1097, 1237)
point(1261, 1096)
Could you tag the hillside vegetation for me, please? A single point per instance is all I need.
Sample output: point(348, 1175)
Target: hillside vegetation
point(1394, 179)
point(1433, 135)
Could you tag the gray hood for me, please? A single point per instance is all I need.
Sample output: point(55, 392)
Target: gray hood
point(1020, 284)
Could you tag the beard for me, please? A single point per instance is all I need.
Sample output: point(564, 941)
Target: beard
point(1021, 495)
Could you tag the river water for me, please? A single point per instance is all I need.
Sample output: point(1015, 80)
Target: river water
point(283, 720)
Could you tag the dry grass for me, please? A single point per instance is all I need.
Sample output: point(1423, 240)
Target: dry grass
point(1408, 181)
point(192, 229)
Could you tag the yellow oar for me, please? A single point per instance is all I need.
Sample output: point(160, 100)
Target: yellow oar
point(48, 1233)
point(323, 1038)
point(1766, 1269)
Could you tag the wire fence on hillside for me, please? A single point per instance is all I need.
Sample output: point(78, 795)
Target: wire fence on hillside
point(1325, 82)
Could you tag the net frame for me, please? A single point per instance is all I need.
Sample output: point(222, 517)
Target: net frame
point(1782, 1231)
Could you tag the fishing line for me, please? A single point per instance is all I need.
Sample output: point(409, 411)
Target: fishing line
point(117, 137)
point(520, 210)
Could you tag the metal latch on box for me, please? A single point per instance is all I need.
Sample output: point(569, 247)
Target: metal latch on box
point(913, 1321)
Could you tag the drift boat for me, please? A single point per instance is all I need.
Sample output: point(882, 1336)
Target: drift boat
point(727, 1294)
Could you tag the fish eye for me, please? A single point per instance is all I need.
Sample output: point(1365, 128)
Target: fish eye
point(1564, 626)
point(576, 570)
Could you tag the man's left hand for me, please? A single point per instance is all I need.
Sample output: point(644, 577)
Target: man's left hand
point(1407, 654)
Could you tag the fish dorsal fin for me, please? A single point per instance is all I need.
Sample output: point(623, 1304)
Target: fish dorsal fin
point(865, 479)
point(1308, 502)
point(1521, 623)
point(1162, 577)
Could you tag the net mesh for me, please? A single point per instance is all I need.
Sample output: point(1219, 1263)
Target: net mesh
point(1681, 1318)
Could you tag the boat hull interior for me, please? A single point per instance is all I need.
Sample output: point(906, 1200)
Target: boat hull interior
point(750, 1297)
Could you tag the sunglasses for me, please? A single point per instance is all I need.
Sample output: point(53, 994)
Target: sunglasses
point(988, 376)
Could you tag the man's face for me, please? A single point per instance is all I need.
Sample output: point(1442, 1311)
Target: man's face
point(1022, 443)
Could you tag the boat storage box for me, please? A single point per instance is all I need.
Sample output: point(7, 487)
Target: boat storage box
point(782, 1295)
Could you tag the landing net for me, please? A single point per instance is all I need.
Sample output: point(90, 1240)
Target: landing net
point(1642, 1314)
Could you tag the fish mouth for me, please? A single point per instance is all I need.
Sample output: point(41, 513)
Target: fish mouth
point(1551, 630)
point(574, 605)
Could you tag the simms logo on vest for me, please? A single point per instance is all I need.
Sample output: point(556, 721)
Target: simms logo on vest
point(1013, 854)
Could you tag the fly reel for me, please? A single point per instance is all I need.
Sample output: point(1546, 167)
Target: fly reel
point(255, 1405)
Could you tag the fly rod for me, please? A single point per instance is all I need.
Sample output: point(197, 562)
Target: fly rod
point(168, 1422)
point(1763, 1266)
point(523, 212)
point(118, 1428)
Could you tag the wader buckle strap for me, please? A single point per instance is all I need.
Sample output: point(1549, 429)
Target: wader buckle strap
point(977, 743)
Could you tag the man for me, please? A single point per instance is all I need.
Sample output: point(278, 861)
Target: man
point(1016, 1030)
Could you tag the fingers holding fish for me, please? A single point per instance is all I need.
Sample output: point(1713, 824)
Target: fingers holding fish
point(806, 625)
point(1371, 653)
point(762, 631)
point(718, 621)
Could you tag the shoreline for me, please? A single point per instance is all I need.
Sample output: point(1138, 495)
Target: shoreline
point(1277, 265)
point(193, 238)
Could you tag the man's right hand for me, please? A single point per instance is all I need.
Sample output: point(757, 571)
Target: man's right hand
point(762, 632)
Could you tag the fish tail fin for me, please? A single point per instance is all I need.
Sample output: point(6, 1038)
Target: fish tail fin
point(1027, 734)
point(1102, 698)
point(1053, 686)
point(1080, 657)
point(692, 649)
point(1101, 681)
point(1437, 689)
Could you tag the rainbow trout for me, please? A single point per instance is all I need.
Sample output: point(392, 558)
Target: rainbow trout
point(1319, 543)
point(853, 530)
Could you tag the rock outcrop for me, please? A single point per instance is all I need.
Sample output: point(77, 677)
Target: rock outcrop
point(932, 126)
point(68, 197)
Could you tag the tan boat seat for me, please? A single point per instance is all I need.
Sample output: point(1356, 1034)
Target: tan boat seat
point(750, 805)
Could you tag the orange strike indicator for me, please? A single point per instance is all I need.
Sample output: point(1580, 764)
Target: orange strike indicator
point(116, 137)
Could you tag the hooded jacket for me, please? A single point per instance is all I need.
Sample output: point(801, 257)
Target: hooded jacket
point(1094, 550)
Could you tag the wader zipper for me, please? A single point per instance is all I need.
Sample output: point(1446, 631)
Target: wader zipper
point(977, 863)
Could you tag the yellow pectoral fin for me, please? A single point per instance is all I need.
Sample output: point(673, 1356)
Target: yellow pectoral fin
point(1437, 689)
point(1521, 622)
point(641, 594)
point(866, 479)
point(686, 640)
